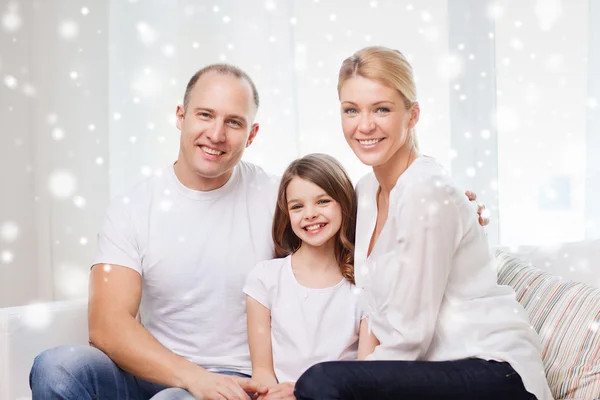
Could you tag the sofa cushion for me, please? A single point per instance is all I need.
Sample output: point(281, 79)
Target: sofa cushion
point(566, 315)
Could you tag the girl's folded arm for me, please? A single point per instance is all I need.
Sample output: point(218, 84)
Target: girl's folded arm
point(259, 340)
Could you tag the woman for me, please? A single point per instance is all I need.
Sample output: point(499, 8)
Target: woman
point(440, 326)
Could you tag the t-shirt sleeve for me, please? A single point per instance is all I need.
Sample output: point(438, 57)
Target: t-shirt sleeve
point(117, 240)
point(256, 285)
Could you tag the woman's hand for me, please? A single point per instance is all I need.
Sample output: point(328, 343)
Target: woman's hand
point(482, 212)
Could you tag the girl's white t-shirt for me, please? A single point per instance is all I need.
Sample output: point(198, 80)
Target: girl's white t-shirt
point(308, 326)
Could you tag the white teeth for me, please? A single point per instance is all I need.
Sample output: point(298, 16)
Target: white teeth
point(369, 142)
point(314, 227)
point(211, 151)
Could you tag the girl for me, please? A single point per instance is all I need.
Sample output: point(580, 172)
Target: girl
point(441, 326)
point(302, 307)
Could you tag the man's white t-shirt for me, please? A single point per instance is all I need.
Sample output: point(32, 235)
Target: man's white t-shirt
point(308, 326)
point(194, 251)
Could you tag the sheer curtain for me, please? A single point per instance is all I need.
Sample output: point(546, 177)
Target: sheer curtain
point(508, 90)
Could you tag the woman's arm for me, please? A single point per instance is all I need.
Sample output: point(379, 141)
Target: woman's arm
point(366, 340)
point(259, 340)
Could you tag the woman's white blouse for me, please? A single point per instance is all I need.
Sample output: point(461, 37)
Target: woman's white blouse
point(429, 285)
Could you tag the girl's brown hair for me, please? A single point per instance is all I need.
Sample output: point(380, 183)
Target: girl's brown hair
point(327, 173)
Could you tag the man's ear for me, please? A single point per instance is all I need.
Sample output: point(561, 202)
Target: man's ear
point(252, 135)
point(179, 113)
point(415, 113)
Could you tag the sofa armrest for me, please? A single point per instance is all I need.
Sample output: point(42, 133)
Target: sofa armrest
point(26, 331)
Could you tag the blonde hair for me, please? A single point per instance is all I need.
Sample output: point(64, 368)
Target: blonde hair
point(387, 66)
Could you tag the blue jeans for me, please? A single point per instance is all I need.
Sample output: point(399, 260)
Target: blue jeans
point(470, 379)
point(86, 373)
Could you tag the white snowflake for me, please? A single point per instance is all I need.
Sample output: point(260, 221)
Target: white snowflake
point(270, 5)
point(146, 33)
point(165, 205)
point(7, 257)
point(147, 84)
point(83, 241)
point(29, 90)
point(11, 20)
point(79, 201)
point(85, 11)
point(471, 172)
point(62, 183)
point(72, 281)
point(431, 33)
point(450, 67)
point(516, 44)
point(37, 316)
point(426, 16)
point(58, 134)
point(146, 171)
point(547, 13)
point(68, 30)
point(555, 62)
point(495, 10)
point(9, 231)
point(508, 119)
point(168, 50)
point(10, 82)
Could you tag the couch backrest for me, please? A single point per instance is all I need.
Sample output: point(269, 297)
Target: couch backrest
point(578, 261)
point(566, 315)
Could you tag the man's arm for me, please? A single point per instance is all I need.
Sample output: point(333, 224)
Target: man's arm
point(115, 295)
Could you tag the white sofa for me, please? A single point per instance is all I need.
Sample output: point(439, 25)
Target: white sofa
point(26, 331)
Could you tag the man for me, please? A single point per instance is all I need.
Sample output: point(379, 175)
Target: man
point(177, 249)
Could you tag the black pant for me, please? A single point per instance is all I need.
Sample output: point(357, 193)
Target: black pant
point(470, 379)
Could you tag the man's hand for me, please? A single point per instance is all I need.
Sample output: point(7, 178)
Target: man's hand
point(281, 391)
point(484, 214)
point(212, 386)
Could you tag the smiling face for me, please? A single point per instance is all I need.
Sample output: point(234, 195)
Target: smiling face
point(216, 126)
point(315, 217)
point(375, 120)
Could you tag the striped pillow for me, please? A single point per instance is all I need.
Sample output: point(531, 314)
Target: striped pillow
point(566, 315)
